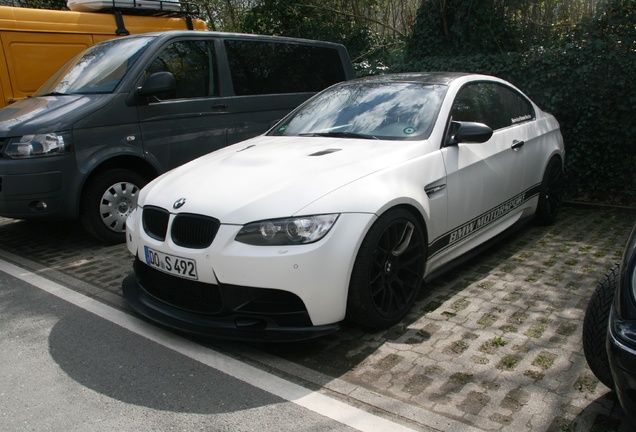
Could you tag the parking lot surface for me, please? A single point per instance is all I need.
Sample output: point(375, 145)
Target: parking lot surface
point(493, 345)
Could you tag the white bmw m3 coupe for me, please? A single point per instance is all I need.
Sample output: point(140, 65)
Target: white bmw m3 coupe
point(343, 209)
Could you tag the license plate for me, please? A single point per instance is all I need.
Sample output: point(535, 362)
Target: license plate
point(182, 267)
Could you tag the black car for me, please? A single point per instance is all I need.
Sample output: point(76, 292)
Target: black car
point(609, 329)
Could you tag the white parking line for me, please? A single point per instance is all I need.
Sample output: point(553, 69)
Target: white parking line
point(313, 401)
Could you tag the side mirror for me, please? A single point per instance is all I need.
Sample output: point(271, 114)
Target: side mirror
point(158, 82)
point(469, 133)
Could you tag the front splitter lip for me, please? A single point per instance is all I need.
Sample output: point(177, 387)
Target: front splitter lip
point(231, 327)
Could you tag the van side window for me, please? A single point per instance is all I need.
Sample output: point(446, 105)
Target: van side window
point(259, 67)
point(193, 65)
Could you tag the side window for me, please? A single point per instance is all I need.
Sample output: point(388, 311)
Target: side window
point(193, 65)
point(518, 108)
point(480, 103)
point(492, 104)
point(262, 67)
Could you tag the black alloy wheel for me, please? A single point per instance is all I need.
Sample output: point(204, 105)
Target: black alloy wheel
point(388, 271)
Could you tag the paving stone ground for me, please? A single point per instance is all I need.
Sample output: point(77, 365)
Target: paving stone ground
point(493, 345)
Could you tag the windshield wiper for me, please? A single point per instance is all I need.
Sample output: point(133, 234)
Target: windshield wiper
point(341, 135)
point(55, 94)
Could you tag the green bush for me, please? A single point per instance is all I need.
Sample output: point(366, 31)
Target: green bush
point(310, 19)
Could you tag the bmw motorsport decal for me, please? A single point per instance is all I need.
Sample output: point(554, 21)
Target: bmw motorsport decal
point(480, 222)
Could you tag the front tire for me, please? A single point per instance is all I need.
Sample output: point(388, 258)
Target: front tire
point(551, 193)
point(388, 271)
point(107, 201)
point(595, 327)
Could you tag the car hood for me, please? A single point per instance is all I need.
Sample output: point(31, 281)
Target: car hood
point(269, 177)
point(46, 113)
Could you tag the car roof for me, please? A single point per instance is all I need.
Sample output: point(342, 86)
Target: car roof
point(441, 78)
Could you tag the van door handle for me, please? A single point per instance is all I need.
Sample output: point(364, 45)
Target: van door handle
point(516, 144)
point(219, 106)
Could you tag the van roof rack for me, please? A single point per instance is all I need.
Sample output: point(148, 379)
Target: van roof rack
point(157, 8)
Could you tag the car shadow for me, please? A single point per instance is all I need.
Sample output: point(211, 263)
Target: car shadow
point(602, 414)
point(127, 367)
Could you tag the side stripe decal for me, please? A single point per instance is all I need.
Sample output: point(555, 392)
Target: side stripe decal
point(473, 226)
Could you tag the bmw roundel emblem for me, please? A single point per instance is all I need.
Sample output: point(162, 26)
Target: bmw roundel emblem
point(179, 203)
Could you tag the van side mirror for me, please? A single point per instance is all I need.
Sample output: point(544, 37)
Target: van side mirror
point(469, 133)
point(157, 83)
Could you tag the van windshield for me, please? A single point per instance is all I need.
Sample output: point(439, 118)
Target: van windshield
point(98, 69)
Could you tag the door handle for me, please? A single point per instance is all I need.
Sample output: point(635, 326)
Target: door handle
point(516, 144)
point(219, 106)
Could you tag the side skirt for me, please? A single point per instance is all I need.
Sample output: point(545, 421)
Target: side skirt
point(479, 249)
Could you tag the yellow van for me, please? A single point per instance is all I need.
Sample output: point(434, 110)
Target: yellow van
point(34, 43)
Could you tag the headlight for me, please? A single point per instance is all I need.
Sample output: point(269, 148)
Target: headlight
point(40, 145)
point(287, 231)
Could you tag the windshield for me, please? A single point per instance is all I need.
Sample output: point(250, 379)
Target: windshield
point(374, 110)
point(98, 69)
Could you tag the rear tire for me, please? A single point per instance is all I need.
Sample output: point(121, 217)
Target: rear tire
point(107, 201)
point(595, 327)
point(388, 271)
point(551, 193)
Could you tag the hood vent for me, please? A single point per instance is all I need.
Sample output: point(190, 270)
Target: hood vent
point(245, 148)
point(325, 152)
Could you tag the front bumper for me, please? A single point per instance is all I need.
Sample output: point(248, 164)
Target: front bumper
point(39, 187)
point(254, 292)
point(621, 350)
point(226, 312)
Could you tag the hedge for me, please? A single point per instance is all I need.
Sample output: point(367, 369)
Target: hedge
point(587, 79)
point(591, 91)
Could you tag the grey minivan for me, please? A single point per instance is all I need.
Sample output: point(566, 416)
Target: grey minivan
point(128, 109)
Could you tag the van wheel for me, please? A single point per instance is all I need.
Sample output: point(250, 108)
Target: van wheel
point(595, 327)
point(388, 271)
point(107, 201)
